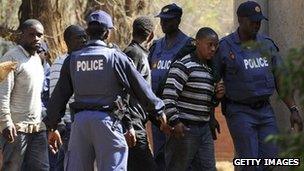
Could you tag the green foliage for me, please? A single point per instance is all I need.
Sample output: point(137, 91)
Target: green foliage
point(294, 68)
point(291, 147)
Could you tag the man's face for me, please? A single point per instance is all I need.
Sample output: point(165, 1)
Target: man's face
point(250, 27)
point(78, 40)
point(32, 36)
point(207, 46)
point(169, 25)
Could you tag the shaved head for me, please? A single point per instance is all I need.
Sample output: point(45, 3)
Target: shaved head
point(29, 23)
point(205, 32)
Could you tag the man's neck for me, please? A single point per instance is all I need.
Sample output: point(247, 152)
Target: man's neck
point(170, 38)
point(244, 37)
point(199, 57)
point(30, 51)
point(137, 40)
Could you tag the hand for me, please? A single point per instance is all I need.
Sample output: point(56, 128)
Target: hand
point(179, 129)
point(130, 137)
point(219, 90)
point(214, 126)
point(9, 133)
point(164, 127)
point(295, 119)
point(54, 140)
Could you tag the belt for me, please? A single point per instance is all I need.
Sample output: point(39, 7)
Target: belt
point(79, 107)
point(256, 105)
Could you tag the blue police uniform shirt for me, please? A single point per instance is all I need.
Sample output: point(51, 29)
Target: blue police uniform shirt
point(97, 74)
point(248, 72)
point(161, 58)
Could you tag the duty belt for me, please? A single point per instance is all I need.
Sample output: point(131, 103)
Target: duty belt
point(256, 105)
point(79, 106)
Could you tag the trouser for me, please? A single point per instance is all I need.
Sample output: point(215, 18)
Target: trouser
point(29, 151)
point(249, 127)
point(140, 158)
point(93, 137)
point(57, 160)
point(194, 151)
point(159, 141)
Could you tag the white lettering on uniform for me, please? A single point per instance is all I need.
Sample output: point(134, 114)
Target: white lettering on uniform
point(92, 65)
point(163, 64)
point(255, 63)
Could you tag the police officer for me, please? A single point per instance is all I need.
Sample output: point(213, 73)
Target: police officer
point(97, 75)
point(161, 56)
point(247, 61)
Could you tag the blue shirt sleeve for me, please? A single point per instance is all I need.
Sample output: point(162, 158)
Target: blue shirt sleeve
point(218, 65)
point(137, 85)
point(60, 96)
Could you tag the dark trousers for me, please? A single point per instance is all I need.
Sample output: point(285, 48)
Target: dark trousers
point(194, 151)
point(57, 160)
point(27, 152)
point(140, 158)
point(249, 128)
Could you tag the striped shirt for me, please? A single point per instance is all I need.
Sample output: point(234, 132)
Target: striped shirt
point(54, 76)
point(189, 90)
point(20, 92)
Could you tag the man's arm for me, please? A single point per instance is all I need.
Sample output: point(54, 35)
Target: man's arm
point(6, 87)
point(137, 85)
point(287, 95)
point(177, 78)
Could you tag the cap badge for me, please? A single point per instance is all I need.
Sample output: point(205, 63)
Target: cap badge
point(257, 9)
point(165, 9)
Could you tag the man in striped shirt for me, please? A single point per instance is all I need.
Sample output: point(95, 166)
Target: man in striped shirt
point(188, 95)
point(75, 39)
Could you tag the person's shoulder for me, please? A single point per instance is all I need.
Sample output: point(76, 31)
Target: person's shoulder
point(11, 54)
point(269, 41)
point(186, 49)
point(227, 38)
point(184, 61)
point(132, 48)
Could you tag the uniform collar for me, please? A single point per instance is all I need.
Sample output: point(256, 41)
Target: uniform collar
point(96, 42)
point(236, 37)
point(179, 38)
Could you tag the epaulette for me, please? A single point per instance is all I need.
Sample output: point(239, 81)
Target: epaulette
point(112, 45)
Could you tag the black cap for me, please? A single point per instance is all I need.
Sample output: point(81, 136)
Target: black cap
point(252, 10)
point(170, 11)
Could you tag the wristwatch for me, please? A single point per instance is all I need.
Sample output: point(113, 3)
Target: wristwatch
point(294, 108)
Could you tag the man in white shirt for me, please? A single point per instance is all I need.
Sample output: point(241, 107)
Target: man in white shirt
point(23, 133)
